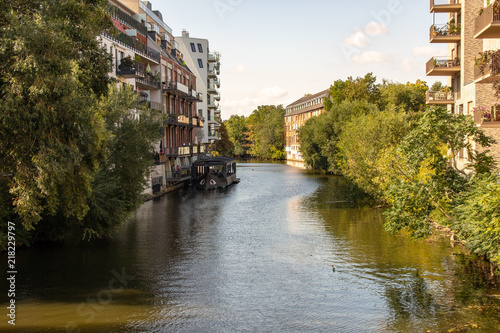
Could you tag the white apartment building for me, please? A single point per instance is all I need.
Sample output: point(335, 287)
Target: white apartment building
point(206, 66)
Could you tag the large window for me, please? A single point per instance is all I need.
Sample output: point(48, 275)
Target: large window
point(200, 48)
point(200, 63)
point(193, 48)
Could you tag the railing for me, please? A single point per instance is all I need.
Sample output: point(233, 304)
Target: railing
point(444, 30)
point(445, 2)
point(134, 44)
point(488, 65)
point(151, 14)
point(487, 17)
point(442, 62)
point(176, 86)
point(149, 81)
point(183, 119)
point(120, 15)
point(437, 96)
point(138, 69)
point(170, 119)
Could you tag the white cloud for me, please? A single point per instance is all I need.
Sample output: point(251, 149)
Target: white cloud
point(428, 51)
point(239, 69)
point(408, 65)
point(370, 57)
point(375, 29)
point(357, 39)
point(272, 92)
point(361, 37)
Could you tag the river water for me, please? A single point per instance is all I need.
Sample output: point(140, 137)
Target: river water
point(280, 252)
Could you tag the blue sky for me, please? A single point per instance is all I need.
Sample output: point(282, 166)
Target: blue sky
point(275, 51)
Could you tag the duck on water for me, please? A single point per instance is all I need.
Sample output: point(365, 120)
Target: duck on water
point(214, 172)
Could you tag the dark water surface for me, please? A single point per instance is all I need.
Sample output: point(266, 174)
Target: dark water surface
point(255, 257)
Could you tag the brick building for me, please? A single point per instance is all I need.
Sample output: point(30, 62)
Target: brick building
point(296, 115)
point(469, 28)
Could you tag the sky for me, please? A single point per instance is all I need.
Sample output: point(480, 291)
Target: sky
point(275, 51)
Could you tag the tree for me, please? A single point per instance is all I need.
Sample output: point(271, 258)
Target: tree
point(437, 86)
point(363, 142)
point(409, 97)
point(224, 146)
point(236, 128)
point(426, 179)
point(359, 89)
point(53, 74)
point(266, 132)
point(319, 136)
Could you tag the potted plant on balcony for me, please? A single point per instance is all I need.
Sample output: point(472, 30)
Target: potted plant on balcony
point(126, 64)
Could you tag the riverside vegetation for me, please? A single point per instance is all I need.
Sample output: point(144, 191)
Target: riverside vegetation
point(403, 154)
point(73, 157)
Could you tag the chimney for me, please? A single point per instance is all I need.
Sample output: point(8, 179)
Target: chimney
point(185, 33)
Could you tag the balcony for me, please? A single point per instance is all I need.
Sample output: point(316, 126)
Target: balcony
point(212, 73)
point(217, 97)
point(446, 6)
point(170, 119)
point(212, 88)
point(487, 24)
point(212, 57)
point(439, 98)
point(148, 82)
point(442, 66)
point(176, 88)
point(487, 69)
point(445, 33)
point(131, 69)
point(216, 82)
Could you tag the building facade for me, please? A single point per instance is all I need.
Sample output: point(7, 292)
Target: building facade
point(296, 114)
point(147, 58)
point(206, 66)
point(470, 28)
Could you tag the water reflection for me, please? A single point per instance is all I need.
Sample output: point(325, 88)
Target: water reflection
point(254, 257)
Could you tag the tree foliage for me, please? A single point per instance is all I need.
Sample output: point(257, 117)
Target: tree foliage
point(265, 134)
point(319, 136)
point(72, 154)
point(224, 146)
point(409, 97)
point(236, 129)
point(53, 73)
point(358, 89)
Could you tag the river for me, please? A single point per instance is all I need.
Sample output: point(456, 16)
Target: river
point(283, 251)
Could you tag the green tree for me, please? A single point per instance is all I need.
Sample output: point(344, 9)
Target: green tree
point(359, 89)
point(363, 141)
point(409, 97)
point(319, 136)
point(426, 178)
point(266, 132)
point(224, 146)
point(236, 128)
point(53, 73)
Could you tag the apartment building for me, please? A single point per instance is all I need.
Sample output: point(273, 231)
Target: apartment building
point(206, 66)
point(296, 114)
point(147, 58)
point(471, 30)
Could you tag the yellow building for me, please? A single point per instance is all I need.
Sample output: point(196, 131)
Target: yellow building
point(296, 115)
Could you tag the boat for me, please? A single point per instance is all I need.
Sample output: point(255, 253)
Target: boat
point(214, 172)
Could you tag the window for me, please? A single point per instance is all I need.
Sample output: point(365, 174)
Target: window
point(200, 63)
point(200, 48)
point(193, 48)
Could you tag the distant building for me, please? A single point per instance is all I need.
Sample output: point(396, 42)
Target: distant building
point(296, 115)
point(471, 31)
point(147, 58)
point(206, 66)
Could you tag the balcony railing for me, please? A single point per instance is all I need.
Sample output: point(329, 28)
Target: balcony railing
point(442, 66)
point(149, 82)
point(445, 33)
point(446, 6)
point(133, 44)
point(439, 97)
point(487, 68)
point(487, 24)
point(137, 70)
point(120, 15)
